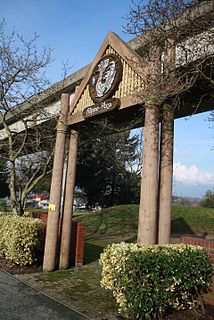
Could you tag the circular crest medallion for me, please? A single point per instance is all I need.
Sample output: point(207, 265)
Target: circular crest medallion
point(105, 78)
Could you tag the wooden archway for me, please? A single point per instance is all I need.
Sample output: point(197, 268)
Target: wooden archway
point(116, 83)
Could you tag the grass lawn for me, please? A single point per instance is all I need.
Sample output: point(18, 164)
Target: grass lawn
point(120, 223)
point(79, 287)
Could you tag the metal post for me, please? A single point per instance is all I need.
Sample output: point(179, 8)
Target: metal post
point(68, 205)
point(166, 172)
point(147, 226)
point(51, 240)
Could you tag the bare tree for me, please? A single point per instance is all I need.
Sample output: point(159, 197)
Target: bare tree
point(176, 42)
point(26, 147)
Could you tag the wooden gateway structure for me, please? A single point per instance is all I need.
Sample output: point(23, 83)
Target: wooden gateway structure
point(117, 85)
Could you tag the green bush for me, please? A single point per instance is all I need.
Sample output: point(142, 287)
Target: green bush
point(148, 280)
point(20, 238)
point(3, 205)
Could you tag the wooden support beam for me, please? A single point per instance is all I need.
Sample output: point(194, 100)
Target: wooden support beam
point(166, 172)
point(65, 248)
point(147, 226)
point(52, 237)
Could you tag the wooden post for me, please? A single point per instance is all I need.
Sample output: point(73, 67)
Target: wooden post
point(68, 204)
point(51, 240)
point(147, 226)
point(166, 172)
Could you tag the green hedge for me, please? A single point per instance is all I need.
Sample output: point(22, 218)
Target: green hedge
point(148, 280)
point(20, 238)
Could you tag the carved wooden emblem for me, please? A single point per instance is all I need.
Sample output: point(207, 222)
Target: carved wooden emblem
point(105, 78)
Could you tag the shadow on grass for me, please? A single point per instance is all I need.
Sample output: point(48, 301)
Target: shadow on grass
point(91, 252)
point(98, 225)
point(179, 226)
point(132, 239)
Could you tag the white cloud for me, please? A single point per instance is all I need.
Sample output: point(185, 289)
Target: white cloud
point(191, 175)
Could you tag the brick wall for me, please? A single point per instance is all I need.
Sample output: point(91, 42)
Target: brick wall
point(43, 215)
point(77, 243)
point(80, 236)
point(209, 245)
point(78, 232)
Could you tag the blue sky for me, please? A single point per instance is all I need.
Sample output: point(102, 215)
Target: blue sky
point(75, 30)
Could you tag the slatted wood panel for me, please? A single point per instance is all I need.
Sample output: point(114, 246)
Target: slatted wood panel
point(130, 84)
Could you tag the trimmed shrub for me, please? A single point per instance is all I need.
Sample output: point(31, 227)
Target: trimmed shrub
point(20, 238)
point(148, 280)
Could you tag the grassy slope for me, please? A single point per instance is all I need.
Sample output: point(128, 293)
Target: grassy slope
point(120, 223)
point(198, 220)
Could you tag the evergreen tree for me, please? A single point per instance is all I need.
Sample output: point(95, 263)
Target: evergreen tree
point(106, 169)
point(208, 199)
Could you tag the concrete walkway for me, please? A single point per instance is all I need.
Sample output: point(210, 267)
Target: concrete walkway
point(20, 302)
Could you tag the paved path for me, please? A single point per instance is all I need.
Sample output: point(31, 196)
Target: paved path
point(20, 302)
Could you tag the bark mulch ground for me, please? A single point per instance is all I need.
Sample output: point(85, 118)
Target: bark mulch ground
point(13, 268)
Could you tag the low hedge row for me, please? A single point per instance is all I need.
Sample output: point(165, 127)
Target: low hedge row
point(148, 280)
point(20, 238)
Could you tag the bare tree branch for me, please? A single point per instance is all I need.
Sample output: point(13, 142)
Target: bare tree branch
point(22, 75)
point(180, 35)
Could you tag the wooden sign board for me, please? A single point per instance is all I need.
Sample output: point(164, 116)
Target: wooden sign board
point(101, 107)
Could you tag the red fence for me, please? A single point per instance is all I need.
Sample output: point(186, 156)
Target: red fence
point(209, 245)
